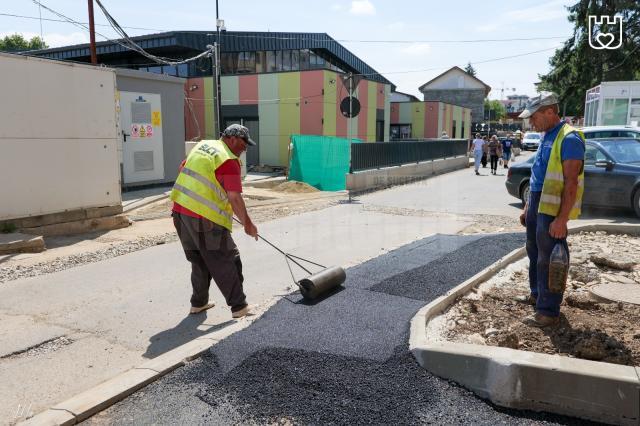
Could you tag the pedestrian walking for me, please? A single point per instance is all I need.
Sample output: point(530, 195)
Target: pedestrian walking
point(495, 150)
point(206, 195)
point(506, 150)
point(477, 146)
point(485, 151)
point(556, 187)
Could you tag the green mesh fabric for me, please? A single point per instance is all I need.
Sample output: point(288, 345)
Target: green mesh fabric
point(320, 161)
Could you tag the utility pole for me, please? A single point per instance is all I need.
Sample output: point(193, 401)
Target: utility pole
point(92, 35)
point(350, 105)
point(213, 54)
point(218, 90)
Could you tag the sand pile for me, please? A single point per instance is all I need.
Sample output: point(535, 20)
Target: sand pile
point(294, 187)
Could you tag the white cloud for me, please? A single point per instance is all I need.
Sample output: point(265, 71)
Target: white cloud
point(362, 7)
point(417, 49)
point(549, 11)
point(57, 39)
point(396, 26)
point(337, 7)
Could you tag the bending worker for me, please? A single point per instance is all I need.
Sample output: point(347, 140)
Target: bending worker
point(556, 187)
point(207, 192)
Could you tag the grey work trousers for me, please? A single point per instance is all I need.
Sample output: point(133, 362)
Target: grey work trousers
point(213, 254)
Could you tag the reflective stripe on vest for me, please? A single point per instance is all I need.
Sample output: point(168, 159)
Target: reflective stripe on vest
point(197, 187)
point(553, 184)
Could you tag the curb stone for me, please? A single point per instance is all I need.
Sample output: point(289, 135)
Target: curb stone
point(84, 405)
point(525, 380)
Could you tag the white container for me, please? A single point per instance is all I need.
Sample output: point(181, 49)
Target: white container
point(58, 137)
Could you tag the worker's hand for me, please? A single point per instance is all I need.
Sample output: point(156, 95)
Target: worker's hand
point(558, 228)
point(250, 229)
point(523, 219)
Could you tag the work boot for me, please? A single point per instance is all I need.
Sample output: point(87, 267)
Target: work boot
point(241, 312)
point(198, 309)
point(541, 321)
point(528, 299)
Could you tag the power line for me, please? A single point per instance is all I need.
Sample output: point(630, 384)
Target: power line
point(65, 21)
point(267, 37)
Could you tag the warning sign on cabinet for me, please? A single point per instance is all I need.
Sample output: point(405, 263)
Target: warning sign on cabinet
point(156, 118)
point(141, 130)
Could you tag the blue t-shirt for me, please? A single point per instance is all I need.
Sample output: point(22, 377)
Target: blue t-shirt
point(506, 145)
point(572, 149)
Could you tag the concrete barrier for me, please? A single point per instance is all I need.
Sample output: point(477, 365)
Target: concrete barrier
point(400, 175)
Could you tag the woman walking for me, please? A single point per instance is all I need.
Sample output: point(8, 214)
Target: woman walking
point(495, 151)
point(477, 146)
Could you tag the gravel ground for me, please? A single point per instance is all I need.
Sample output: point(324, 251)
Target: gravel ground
point(590, 328)
point(341, 360)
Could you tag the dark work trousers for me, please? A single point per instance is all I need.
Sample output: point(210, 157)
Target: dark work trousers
point(494, 162)
point(539, 247)
point(213, 254)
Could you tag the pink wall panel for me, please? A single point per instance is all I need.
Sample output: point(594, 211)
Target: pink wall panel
point(248, 89)
point(395, 113)
point(341, 121)
point(196, 112)
point(380, 96)
point(311, 102)
point(431, 119)
point(363, 97)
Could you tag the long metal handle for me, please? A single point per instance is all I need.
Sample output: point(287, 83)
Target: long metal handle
point(287, 255)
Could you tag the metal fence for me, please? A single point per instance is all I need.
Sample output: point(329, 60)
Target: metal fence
point(366, 156)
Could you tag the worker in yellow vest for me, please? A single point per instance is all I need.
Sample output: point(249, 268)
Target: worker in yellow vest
point(556, 187)
point(206, 195)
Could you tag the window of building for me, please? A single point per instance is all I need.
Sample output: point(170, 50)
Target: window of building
point(295, 60)
point(246, 62)
point(170, 69)
point(229, 63)
point(304, 59)
point(271, 61)
point(183, 70)
point(286, 60)
point(155, 70)
point(261, 61)
point(400, 131)
point(453, 130)
point(278, 60)
point(614, 111)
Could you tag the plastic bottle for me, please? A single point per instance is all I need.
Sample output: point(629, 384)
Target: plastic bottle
point(558, 268)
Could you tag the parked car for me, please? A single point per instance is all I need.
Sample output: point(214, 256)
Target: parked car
point(531, 141)
point(611, 174)
point(598, 132)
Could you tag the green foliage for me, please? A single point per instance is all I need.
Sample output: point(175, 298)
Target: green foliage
point(497, 109)
point(7, 228)
point(576, 67)
point(17, 43)
point(470, 70)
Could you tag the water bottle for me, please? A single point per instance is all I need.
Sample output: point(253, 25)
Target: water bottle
point(558, 268)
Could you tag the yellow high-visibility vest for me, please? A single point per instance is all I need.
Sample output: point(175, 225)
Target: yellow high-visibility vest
point(553, 184)
point(197, 188)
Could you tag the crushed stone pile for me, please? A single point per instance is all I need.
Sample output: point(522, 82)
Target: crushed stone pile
point(294, 187)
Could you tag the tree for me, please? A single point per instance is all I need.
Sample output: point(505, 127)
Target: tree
point(17, 43)
point(576, 67)
point(470, 70)
point(495, 108)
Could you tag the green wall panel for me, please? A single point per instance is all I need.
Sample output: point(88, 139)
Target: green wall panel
point(417, 119)
point(269, 112)
point(289, 118)
point(405, 113)
point(230, 88)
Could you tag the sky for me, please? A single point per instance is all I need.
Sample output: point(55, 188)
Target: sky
point(401, 39)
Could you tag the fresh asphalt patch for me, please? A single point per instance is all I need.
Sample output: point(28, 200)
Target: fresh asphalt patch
point(343, 360)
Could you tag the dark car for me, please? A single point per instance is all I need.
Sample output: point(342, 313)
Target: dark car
point(611, 174)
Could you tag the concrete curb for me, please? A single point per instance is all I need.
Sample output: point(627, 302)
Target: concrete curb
point(107, 223)
point(102, 396)
point(525, 380)
point(21, 243)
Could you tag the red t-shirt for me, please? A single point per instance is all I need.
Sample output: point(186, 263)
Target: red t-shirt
point(229, 176)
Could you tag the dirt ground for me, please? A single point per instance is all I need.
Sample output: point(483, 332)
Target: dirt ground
point(590, 328)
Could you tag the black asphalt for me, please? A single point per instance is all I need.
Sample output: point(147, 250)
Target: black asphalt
point(342, 360)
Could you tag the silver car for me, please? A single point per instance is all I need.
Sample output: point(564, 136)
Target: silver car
point(531, 141)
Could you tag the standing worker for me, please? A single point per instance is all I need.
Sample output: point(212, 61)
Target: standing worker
point(495, 150)
point(557, 184)
point(477, 147)
point(207, 193)
point(506, 150)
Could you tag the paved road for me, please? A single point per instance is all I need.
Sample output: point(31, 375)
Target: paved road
point(343, 360)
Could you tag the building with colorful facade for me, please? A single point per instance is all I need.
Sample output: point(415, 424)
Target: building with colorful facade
point(429, 119)
point(277, 84)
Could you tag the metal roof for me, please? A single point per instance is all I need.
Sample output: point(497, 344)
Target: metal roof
point(231, 41)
